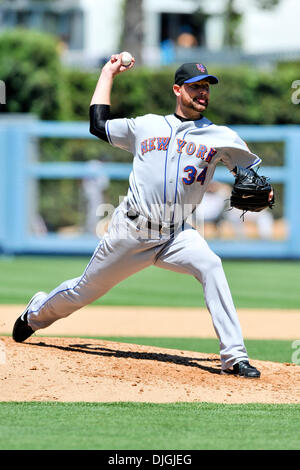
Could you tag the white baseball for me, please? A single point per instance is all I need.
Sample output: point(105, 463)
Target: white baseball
point(126, 58)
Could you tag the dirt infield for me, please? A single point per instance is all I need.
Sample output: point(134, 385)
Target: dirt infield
point(163, 322)
point(74, 369)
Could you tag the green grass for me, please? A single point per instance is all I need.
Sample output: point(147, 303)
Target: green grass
point(254, 284)
point(266, 350)
point(175, 426)
point(156, 426)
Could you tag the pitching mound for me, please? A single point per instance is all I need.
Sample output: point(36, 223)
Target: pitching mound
point(73, 369)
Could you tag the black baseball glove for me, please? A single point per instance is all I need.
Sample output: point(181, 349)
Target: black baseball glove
point(251, 192)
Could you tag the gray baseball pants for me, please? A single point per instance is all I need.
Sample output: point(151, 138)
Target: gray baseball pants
point(126, 249)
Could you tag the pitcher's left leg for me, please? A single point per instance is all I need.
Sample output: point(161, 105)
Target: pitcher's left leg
point(189, 253)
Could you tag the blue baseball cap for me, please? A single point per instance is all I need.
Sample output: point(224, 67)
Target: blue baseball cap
point(190, 73)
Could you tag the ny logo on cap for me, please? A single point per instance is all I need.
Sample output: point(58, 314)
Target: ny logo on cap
point(201, 67)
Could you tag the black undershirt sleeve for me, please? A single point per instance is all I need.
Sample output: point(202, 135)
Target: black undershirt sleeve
point(99, 114)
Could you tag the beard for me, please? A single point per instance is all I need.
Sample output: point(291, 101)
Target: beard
point(193, 108)
point(201, 105)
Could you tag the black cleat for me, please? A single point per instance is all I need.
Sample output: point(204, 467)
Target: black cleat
point(22, 330)
point(243, 369)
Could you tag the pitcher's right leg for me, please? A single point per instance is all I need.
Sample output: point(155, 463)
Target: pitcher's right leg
point(114, 259)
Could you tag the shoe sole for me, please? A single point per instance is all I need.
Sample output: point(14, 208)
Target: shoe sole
point(241, 376)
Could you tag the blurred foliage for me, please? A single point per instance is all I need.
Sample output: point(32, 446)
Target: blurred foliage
point(232, 21)
point(272, 155)
point(117, 191)
point(81, 85)
point(60, 203)
point(278, 208)
point(245, 94)
point(31, 69)
point(80, 150)
point(142, 92)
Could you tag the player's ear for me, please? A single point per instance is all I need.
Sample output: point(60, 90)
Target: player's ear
point(176, 89)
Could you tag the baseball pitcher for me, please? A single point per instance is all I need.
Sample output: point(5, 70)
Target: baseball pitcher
point(174, 159)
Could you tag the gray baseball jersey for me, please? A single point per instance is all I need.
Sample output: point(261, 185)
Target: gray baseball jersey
point(173, 164)
point(174, 161)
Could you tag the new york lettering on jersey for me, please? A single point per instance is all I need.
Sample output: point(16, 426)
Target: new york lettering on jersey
point(190, 148)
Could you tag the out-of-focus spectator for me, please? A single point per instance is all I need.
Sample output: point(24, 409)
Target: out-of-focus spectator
point(187, 40)
point(63, 44)
point(263, 223)
point(93, 189)
point(167, 52)
point(209, 214)
point(215, 201)
point(38, 225)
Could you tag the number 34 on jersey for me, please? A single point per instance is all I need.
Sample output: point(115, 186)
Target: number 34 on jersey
point(192, 175)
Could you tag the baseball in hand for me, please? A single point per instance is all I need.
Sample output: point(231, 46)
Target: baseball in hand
point(126, 58)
